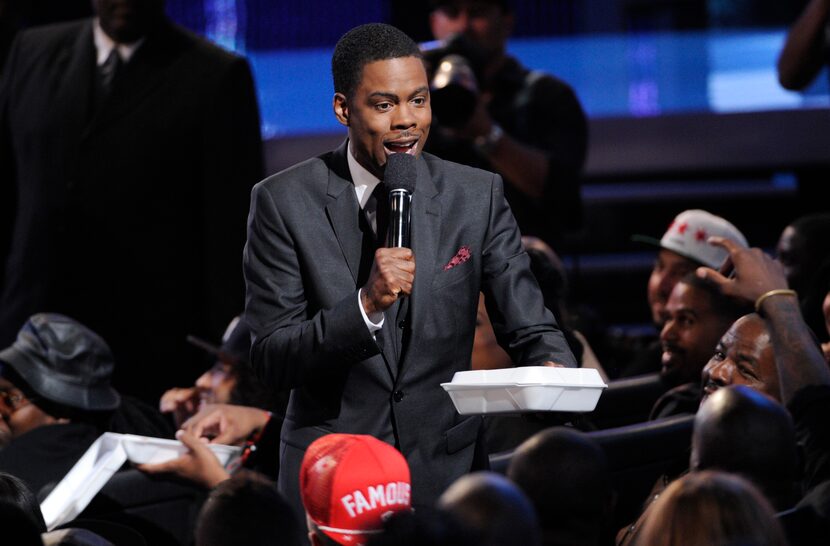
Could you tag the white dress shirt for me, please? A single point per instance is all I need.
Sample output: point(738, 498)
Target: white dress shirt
point(364, 185)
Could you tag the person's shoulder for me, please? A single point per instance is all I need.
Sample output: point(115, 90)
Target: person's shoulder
point(455, 173)
point(200, 50)
point(309, 173)
point(52, 35)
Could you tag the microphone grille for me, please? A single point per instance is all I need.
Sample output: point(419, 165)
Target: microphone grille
point(401, 172)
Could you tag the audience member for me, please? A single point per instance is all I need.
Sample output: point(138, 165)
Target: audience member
point(566, 477)
point(526, 125)
point(129, 147)
point(803, 248)
point(494, 508)
point(697, 315)
point(706, 508)
point(683, 248)
point(247, 509)
point(803, 375)
point(744, 356)
point(229, 381)
point(350, 483)
point(14, 491)
point(742, 431)
point(57, 399)
point(805, 50)
point(17, 526)
point(423, 526)
point(199, 465)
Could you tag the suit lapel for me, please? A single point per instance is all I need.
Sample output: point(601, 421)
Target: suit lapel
point(74, 88)
point(342, 210)
point(426, 230)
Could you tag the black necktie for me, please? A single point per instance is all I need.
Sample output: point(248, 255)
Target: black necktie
point(381, 197)
point(110, 70)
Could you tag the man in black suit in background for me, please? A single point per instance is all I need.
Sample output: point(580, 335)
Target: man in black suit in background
point(128, 148)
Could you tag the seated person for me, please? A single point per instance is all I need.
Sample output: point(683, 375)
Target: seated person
point(742, 431)
point(697, 315)
point(803, 250)
point(566, 477)
point(683, 248)
point(711, 508)
point(744, 356)
point(349, 484)
point(56, 399)
point(247, 509)
point(803, 378)
point(230, 380)
point(493, 508)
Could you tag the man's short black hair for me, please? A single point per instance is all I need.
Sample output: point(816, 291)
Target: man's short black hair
point(451, 5)
point(728, 308)
point(363, 45)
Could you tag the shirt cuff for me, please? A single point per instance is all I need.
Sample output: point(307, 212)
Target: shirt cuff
point(373, 323)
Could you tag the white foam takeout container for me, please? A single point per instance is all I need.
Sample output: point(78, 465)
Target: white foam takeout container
point(525, 389)
point(144, 449)
point(103, 459)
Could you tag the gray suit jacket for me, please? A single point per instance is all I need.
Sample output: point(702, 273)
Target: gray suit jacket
point(301, 268)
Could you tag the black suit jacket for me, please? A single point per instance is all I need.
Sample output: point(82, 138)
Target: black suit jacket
point(301, 267)
point(128, 213)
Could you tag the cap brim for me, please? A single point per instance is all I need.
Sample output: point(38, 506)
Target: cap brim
point(209, 348)
point(651, 241)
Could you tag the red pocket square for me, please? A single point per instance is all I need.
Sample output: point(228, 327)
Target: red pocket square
point(460, 257)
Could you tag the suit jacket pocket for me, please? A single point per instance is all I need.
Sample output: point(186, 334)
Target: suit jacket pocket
point(463, 434)
point(451, 276)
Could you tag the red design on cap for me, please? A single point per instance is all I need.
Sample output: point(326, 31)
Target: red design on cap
point(700, 235)
point(681, 229)
point(350, 483)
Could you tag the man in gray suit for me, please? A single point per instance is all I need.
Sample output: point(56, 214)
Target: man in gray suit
point(324, 306)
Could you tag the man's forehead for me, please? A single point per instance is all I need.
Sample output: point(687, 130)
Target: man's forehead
point(381, 75)
point(687, 297)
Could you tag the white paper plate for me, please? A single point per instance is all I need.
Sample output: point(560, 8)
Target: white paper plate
point(525, 389)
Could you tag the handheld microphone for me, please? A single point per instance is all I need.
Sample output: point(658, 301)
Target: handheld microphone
point(399, 178)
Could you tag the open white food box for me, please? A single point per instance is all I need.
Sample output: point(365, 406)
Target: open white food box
point(103, 459)
point(525, 389)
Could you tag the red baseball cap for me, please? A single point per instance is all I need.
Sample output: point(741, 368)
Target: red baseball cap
point(350, 483)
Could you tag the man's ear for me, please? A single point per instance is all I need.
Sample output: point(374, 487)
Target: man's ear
point(341, 108)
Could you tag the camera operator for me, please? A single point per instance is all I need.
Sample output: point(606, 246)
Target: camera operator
point(491, 112)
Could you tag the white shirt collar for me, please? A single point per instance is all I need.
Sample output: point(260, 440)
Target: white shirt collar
point(104, 45)
point(364, 181)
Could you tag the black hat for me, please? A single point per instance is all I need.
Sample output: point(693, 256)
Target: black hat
point(64, 362)
point(236, 343)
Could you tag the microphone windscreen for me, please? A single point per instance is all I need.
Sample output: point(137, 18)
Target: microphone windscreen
point(401, 171)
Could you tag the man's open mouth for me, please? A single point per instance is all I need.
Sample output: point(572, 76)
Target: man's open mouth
point(401, 146)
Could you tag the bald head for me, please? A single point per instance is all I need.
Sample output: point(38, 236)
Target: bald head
point(494, 508)
point(565, 474)
point(743, 431)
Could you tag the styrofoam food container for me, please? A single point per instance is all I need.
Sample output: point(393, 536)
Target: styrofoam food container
point(92, 471)
point(525, 389)
point(145, 449)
